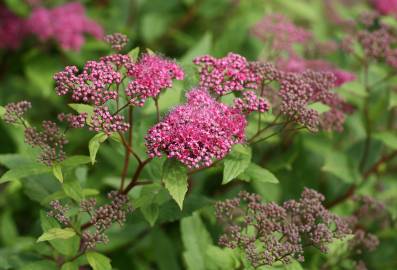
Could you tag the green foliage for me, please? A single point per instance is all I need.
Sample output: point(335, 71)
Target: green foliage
point(175, 180)
point(98, 261)
point(236, 162)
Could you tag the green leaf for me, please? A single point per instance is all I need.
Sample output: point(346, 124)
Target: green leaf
point(154, 25)
point(341, 166)
point(8, 229)
point(259, 174)
point(150, 213)
point(221, 259)
point(25, 171)
point(2, 111)
point(236, 162)
point(57, 233)
point(134, 54)
point(202, 47)
point(98, 261)
point(40, 265)
point(388, 138)
point(75, 161)
point(73, 190)
point(167, 256)
point(57, 171)
point(83, 108)
point(175, 180)
point(68, 247)
point(70, 266)
point(392, 100)
point(196, 240)
point(319, 107)
point(94, 144)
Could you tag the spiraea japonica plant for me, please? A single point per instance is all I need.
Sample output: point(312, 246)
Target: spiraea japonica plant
point(231, 150)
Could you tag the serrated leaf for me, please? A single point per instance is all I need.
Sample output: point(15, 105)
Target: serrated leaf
point(175, 180)
point(25, 171)
point(150, 213)
point(134, 54)
point(73, 190)
point(57, 171)
point(255, 172)
point(236, 162)
point(94, 144)
point(319, 107)
point(221, 258)
point(98, 261)
point(57, 233)
point(388, 138)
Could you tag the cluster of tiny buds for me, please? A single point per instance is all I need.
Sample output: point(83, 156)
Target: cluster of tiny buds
point(74, 121)
point(103, 120)
point(14, 111)
point(117, 41)
point(250, 102)
point(59, 212)
point(104, 216)
point(50, 140)
point(268, 233)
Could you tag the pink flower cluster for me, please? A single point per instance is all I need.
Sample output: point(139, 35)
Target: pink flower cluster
point(151, 74)
point(225, 75)
point(12, 29)
point(386, 6)
point(66, 24)
point(197, 132)
point(103, 120)
point(280, 31)
point(250, 102)
point(91, 86)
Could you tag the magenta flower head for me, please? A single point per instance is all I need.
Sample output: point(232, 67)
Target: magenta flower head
point(197, 132)
point(66, 24)
point(281, 32)
point(250, 102)
point(386, 6)
point(225, 75)
point(150, 75)
point(12, 29)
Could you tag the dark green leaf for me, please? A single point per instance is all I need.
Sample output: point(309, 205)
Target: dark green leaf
point(175, 180)
point(98, 261)
point(236, 162)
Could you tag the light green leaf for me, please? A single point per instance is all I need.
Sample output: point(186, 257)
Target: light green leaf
point(259, 174)
point(134, 54)
point(202, 47)
point(70, 266)
point(57, 233)
point(73, 190)
point(2, 111)
point(94, 144)
point(236, 162)
point(341, 166)
point(221, 259)
point(98, 261)
point(319, 107)
point(8, 229)
point(175, 180)
point(25, 171)
point(68, 247)
point(392, 100)
point(75, 161)
point(388, 138)
point(57, 171)
point(150, 213)
point(196, 239)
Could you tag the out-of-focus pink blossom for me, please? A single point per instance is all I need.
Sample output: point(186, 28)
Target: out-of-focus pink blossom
point(198, 132)
point(386, 6)
point(12, 29)
point(281, 32)
point(66, 24)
